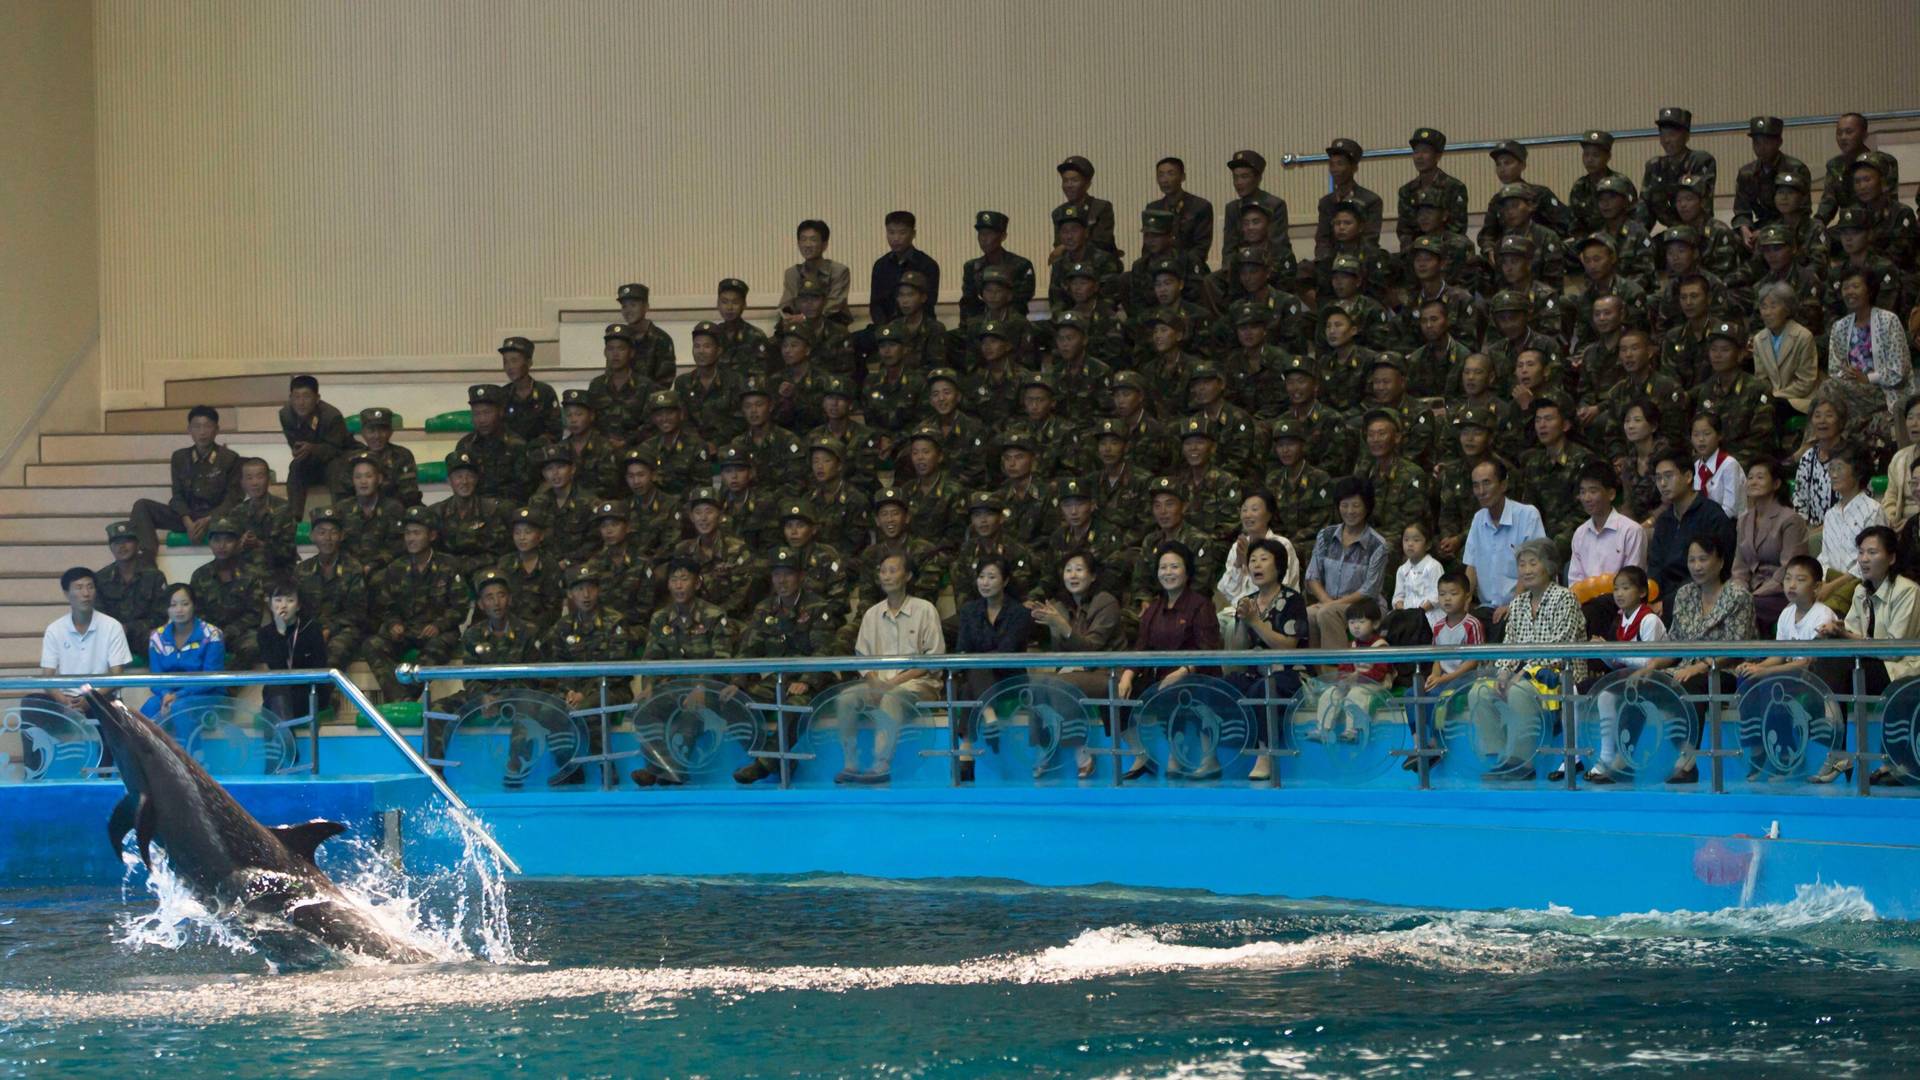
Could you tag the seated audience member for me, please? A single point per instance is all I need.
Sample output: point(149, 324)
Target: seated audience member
point(1868, 362)
point(1686, 517)
point(1541, 612)
point(1716, 473)
point(1272, 616)
point(228, 594)
point(1635, 621)
point(811, 237)
point(418, 604)
point(897, 625)
point(1357, 687)
point(333, 587)
point(1605, 543)
point(1854, 509)
point(291, 641)
point(1179, 619)
point(1708, 607)
point(1643, 445)
point(1784, 353)
point(793, 621)
point(994, 621)
point(1349, 561)
point(316, 433)
point(527, 408)
point(399, 472)
point(129, 589)
point(1500, 527)
point(498, 634)
point(206, 480)
point(1827, 426)
point(184, 645)
point(1801, 619)
point(685, 628)
point(585, 632)
point(268, 542)
point(83, 641)
point(1768, 536)
point(1899, 501)
point(1080, 616)
point(1258, 515)
point(1884, 609)
point(1416, 584)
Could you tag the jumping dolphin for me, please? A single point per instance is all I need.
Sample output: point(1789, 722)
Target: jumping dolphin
point(229, 860)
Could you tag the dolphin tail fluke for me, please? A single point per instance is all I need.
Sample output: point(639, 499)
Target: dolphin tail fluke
point(121, 821)
point(303, 839)
point(144, 819)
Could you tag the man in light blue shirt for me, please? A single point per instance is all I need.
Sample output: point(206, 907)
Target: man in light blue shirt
point(1499, 527)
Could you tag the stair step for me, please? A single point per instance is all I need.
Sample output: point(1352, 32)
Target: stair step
point(30, 589)
point(57, 530)
point(121, 474)
point(21, 650)
point(114, 448)
point(356, 390)
point(28, 618)
point(53, 560)
point(173, 420)
point(65, 500)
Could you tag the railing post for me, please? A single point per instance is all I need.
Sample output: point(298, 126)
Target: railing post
point(1270, 717)
point(313, 728)
point(1423, 765)
point(1712, 720)
point(1113, 721)
point(1569, 742)
point(1862, 776)
point(607, 779)
point(780, 728)
point(954, 739)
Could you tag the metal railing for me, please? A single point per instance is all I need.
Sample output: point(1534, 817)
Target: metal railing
point(1295, 160)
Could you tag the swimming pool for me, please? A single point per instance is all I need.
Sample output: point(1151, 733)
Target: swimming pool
point(831, 975)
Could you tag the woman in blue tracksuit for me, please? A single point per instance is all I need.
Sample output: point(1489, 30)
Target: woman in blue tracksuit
point(183, 644)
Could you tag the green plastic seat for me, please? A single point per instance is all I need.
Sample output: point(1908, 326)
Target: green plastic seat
point(302, 533)
point(178, 539)
point(401, 714)
point(459, 420)
point(432, 472)
point(1796, 423)
point(1877, 485)
point(353, 422)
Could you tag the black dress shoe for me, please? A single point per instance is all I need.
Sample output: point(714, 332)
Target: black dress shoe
point(1688, 775)
point(752, 772)
point(1144, 768)
point(966, 772)
point(644, 777)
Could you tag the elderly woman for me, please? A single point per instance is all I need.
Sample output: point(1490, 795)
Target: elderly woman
point(1257, 516)
point(1898, 502)
point(1884, 609)
point(1784, 352)
point(1180, 619)
point(1768, 534)
point(1542, 612)
point(1812, 484)
point(1854, 508)
point(1867, 358)
point(1273, 616)
point(1709, 607)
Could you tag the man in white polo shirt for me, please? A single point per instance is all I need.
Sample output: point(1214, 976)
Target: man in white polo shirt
point(81, 642)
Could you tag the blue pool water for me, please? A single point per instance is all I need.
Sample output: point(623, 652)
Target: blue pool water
point(845, 976)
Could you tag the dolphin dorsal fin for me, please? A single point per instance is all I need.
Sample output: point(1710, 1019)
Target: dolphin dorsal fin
point(304, 838)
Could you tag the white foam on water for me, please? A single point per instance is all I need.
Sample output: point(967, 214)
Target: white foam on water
point(1815, 904)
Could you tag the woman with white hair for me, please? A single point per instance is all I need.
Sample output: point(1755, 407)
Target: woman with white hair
point(1784, 353)
point(1542, 612)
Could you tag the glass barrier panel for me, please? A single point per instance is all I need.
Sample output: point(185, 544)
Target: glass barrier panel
point(507, 740)
point(1788, 723)
point(695, 730)
point(1194, 729)
point(1640, 725)
point(865, 733)
point(230, 736)
point(42, 739)
point(1037, 729)
point(1899, 739)
point(1346, 730)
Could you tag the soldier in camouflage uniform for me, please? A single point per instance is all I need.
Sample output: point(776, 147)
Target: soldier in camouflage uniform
point(1419, 427)
point(1476, 391)
point(472, 528)
point(1895, 232)
point(1453, 481)
point(130, 590)
point(399, 473)
point(1545, 313)
point(892, 393)
point(1510, 166)
point(1072, 235)
point(1683, 349)
point(1148, 445)
point(1323, 426)
point(1850, 136)
point(1168, 504)
point(926, 336)
point(500, 454)
point(1739, 398)
point(594, 467)
point(1427, 263)
point(893, 535)
point(1753, 204)
point(619, 394)
point(996, 291)
point(536, 575)
point(584, 633)
point(1253, 368)
point(991, 392)
point(1212, 494)
point(1240, 439)
point(268, 542)
point(1460, 261)
point(652, 347)
point(791, 622)
point(964, 441)
point(1614, 200)
point(497, 635)
point(828, 571)
point(1779, 261)
point(1118, 487)
point(728, 570)
point(799, 383)
point(1583, 198)
point(1078, 530)
point(1350, 285)
point(1026, 500)
point(779, 461)
point(1600, 279)
point(1853, 232)
point(1663, 172)
point(990, 229)
point(935, 499)
point(1343, 162)
point(1159, 254)
point(1549, 474)
point(747, 509)
point(529, 408)
point(1546, 258)
point(626, 572)
point(680, 459)
point(1402, 490)
point(333, 589)
point(743, 346)
point(987, 535)
point(841, 509)
point(419, 603)
point(1640, 379)
point(1428, 178)
point(1297, 486)
point(856, 444)
point(1436, 364)
point(1343, 365)
point(1721, 252)
point(1057, 445)
point(685, 628)
point(709, 394)
point(833, 350)
point(655, 517)
point(1247, 168)
point(567, 509)
point(228, 594)
point(1513, 334)
point(372, 523)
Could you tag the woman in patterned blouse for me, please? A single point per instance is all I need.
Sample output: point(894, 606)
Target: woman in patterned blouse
point(1707, 608)
point(1542, 612)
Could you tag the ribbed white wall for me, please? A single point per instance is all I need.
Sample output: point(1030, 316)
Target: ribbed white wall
point(409, 177)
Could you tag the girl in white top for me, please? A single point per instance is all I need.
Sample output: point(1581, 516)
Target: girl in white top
point(1417, 583)
point(1715, 472)
point(1637, 623)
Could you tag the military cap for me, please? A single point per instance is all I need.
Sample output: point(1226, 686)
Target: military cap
point(1600, 238)
point(1037, 378)
point(486, 394)
point(929, 432)
point(1072, 488)
point(228, 526)
point(491, 576)
point(786, 558)
point(1674, 116)
point(1380, 413)
point(990, 219)
point(734, 455)
point(1249, 254)
point(1078, 164)
point(1196, 427)
point(662, 399)
point(703, 494)
point(1288, 428)
point(1128, 380)
point(1614, 184)
point(582, 574)
point(1509, 300)
point(1299, 364)
point(1509, 148)
point(1429, 244)
point(1765, 125)
point(1205, 369)
point(1388, 359)
point(801, 331)
point(1070, 319)
point(706, 328)
point(516, 344)
point(121, 530)
point(827, 445)
point(527, 515)
point(1066, 212)
point(752, 385)
point(635, 456)
point(1166, 264)
point(357, 458)
point(732, 284)
point(605, 510)
point(1348, 263)
point(1775, 234)
point(420, 515)
point(461, 459)
point(1248, 313)
point(617, 332)
point(634, 291)
point(1350, 207)
point(1346, 148)
point(995, 275)
point(893, 333)
point(1514, 245)
point(835, 386)
point(1429, 198)
point(1872, 159)
point(1429, 137)
point(1156, 221)
point(891, 495)
point(984, 500)
point(1109, 428)
point(798, 508)
point(553, 452)
point(1793, 178)
point(1255, 208)
point(575, 398)
point(1853, 217)
point(1601, 139)
point(1164, 317)
point(1513, 191)
point(1165, 485)
point(1679, 234)
point(1018, 437)
point(943, 374)
point(1727, 330)
point(326, 515)
point(994, 328)
point(811, 285)
point(376, 417)
point(1696, 184)
point(914, 279)
point(1248, 159)
point(1475, 416)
